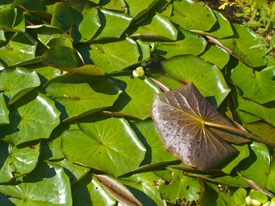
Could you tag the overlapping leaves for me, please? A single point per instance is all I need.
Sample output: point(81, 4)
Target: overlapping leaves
point(53, 156)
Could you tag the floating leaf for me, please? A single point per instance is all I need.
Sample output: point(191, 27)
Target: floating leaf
point(216, 56)
point(137, 8)
point(78, 95)
point(206, 77)
point(254, 85)
point(182, 118)
point(185, 11)
point(142, 185)
point(18, 161)
point(98, 147)
point(131, 102)
point(62, 16)
point(86, 25)
point(156, 27)
point(15, 83)
point(90, 191)
point(21, 47)
point(241, 45)
point(181, 188)
point(113, 24)
point(46, 184)
point(111, 56)
point(4, 112)
point(32, 118)
point(62, 57)
point(259, 167)
point(187, 43)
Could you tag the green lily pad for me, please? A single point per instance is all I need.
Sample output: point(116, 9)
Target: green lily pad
point(97, 148)
point(185, 11)
point(202, 74)
point(45, 33)
point(113, 24)
point(137, 8)
point(254, 85)
point(243, 153)
point(265, 113)
point(15, 83)
point(62, 16)
point(259, 167)
point(213, 196)
point(12, 19)
point(222, 28)
point(45, 185)
point(134, 102)
point(74, 171)
point(143, 187)
point(111, 56)
point(21, 47)
point(181, 188)
point(86, 24)
point(18, 161)
point(119, 5)
point(244, 44)
point(148, 135)
point(144, 49)
point(78, 96)
point(187, 43)
point(62, 57)
point(4, 112)
point(33, 117)
point(156, 27)
point(89, 191)
point(216, 56)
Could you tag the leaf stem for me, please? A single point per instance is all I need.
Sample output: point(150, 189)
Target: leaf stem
point(239, 131)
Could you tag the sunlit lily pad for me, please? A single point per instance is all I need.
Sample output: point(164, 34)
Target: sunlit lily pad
point(18, 161)
point(15, 83)
point(4, 112)
point(185, 11)
point(79, 96)
point(32, 118)
point(111, 56)
point(46, 184)
point(207, 77)
point(103, 149)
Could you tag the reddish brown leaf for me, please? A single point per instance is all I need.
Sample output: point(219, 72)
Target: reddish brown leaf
point(182, 118)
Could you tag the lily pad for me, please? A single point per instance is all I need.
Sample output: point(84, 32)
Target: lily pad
point(113, 24)
point(32, 118)
point(86, 24)
point(181, 118)
point(15, 83)
point(194, 69)
point(185, 11)
point(62, 57)
point(156, 27)
point(4, 112)
point(255, 85)
point(187, 43)
point(181, 188)
point(148, 135)
point(216, 56)
point(137, 8)
point(95, 147)
point(78, 96)
point(21, 47)
point(142, 185)
point(18, 161)
point(89, 191)
point(111, 56)
point(259, 167)
point(46, 184)
point(62, 16)
point(131, 102)
point(242, 43)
